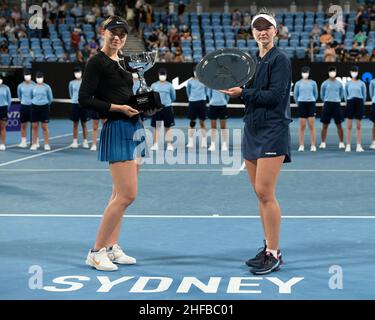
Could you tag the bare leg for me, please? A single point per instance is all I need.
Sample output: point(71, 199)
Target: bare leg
point(349, 123)
point(23, 130)
point(156, 134)
point(251, 167)
point(125, 181)
point(302, 127)
point(168, 133)
point(3, 126)
point(75, 130)
point(359, 131)
point(84, 130)
point(324, 132)
point(114, 238)
point(45, 133)
point(224, 131)
point(311, 122)
point(340, 132)
point(203, 129)
point(95, 126)
point(35, 132)
point(267, 174)
point(213, 131)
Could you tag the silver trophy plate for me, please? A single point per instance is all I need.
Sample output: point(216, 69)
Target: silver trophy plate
point(226, 68)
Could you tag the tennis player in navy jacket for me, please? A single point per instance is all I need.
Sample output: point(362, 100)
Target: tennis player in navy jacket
point(266, 141)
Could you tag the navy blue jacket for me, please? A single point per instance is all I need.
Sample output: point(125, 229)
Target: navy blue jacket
point(267, 95)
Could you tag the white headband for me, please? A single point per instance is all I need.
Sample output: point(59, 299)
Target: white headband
point(264, 16)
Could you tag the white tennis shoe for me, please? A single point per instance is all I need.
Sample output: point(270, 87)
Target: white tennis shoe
point(100, 261)
point(85, 144)
point(116, 255)
point(359, 148)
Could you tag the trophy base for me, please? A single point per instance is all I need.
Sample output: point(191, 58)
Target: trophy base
point(148, 102)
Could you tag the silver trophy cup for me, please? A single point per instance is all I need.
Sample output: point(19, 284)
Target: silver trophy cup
point(145, 100)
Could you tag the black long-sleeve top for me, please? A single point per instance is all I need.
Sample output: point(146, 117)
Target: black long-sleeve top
point(267, 95)
point(105, 83)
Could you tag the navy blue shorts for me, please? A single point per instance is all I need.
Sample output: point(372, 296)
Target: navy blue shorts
point(40, 113)
point(3, 113)
point(306, 109)
point(266, 141)
point(95, 115)
point(218, 112)
point(355, 109)
point(372, 113)
point(122, 140)
point(25, 113)
point(78, 114)
point(197, 109)
point(166, 115)
point(332, 110)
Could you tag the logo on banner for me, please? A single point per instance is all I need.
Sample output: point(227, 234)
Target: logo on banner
point(14, 123)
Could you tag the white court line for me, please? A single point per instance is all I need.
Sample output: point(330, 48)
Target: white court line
point(182, 216)
point(43, 153)
point(33, 156)
point(180, 170)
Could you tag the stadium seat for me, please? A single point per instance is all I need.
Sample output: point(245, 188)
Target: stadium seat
point(300, 52)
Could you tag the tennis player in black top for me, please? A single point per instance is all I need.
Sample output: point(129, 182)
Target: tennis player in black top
point(107, 87)
point(266, 142)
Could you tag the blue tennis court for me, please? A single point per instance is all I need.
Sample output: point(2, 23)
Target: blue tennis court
point(191, 227)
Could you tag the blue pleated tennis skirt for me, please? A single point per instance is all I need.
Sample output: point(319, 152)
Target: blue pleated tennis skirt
point(122, 140)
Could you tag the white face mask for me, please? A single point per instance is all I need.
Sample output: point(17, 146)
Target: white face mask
point(78, 75)
point(305, 75)
point(39, 80)
point(354, 74)
point(162, 78)
point(135, 76)
point(1, 82)
point(27, 77)
point(332, 74)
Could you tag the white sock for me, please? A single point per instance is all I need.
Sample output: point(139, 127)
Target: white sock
point(75, 140)
point(23, 139)
point(273, 252)
point(85, 141)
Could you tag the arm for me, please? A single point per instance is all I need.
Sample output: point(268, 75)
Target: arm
point(188, 89)
point(346, 90)
point(172, 93)
point(90, 82)
point(316, 92)
point(9, 97)
point(209, 93)
point(372, 83)
point(19, 92)
point(296, 91)
point(49, 95)
point(279, 81)
point(70, 90)
point(343, 93)
point(364, 92)
point(323, 91)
